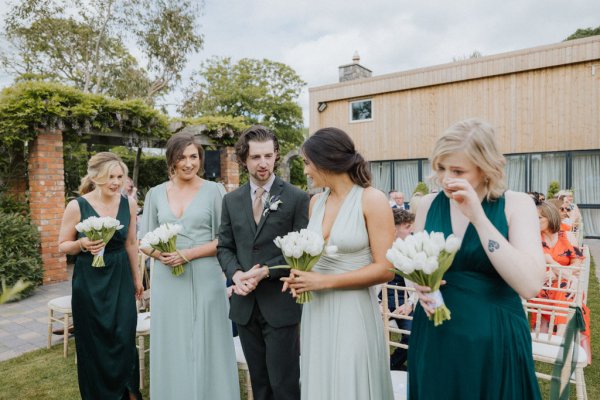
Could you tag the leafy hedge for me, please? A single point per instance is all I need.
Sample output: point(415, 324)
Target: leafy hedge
point(28, 106)
point(222, 129)
point(20, 251)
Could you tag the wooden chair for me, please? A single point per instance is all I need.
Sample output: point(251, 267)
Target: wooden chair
point(399, 378)
point(546, 335)
point(60, 305)
point(143, 319)
point(243, 366)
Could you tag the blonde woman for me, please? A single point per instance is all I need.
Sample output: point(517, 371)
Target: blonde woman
point(103, 299)
point(484, 351)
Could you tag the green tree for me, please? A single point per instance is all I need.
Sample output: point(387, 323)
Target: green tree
point(582, 33)
point(260, 91)
point(81, 43)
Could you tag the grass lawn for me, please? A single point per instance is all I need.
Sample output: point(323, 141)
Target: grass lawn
point(45, 374)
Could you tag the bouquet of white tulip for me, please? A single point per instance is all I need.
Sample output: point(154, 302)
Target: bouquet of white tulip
point(96, 228)
point(164, 239)
point(423, 258)
point(301, 251)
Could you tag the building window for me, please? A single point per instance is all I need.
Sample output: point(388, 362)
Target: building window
point(361, 110)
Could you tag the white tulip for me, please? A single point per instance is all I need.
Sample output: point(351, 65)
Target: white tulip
point(431, 264)
point(419, 259)
point(297, 251)
point(97, 224)
point(431, 248)
point(438, 239)
point(400, 245)
point(452, 244)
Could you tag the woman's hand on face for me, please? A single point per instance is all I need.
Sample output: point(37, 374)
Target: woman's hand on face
point(466, 199)
point(93, 246)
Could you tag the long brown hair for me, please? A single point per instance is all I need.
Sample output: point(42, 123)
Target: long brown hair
point(331, 149)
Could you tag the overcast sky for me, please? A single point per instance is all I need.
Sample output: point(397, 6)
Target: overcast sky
point(316, 36)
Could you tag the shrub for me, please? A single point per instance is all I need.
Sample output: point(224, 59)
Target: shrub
point(421, 187)
point(20, 251)
point(553, 188)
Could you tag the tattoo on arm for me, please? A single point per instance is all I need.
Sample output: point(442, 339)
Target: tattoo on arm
point(493, 245)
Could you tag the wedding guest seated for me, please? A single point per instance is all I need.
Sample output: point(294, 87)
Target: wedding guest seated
point(557, 251)
point(574, 213)
point(403, 221)
point(566, 224)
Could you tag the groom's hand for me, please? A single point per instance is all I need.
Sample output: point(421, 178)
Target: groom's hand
point(245, 282)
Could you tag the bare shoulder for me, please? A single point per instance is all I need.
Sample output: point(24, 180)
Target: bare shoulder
point(374, 200)
point(518, 200)
point(518, 204)
point(72, 207)
point(315, 198)
point(427, 200)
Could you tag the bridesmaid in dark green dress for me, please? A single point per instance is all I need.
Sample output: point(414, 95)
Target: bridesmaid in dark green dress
point(484, 351)
point(103, 298)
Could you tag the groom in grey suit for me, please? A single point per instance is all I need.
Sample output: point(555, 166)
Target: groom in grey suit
point(253, 215)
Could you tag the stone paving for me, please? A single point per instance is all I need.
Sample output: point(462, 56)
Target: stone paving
point(24, 325)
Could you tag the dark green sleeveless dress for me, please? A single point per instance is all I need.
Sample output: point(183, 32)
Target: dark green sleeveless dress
point(484, 351)
point(104, 316)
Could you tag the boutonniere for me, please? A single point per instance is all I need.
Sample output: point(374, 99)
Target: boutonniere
point(272, 204)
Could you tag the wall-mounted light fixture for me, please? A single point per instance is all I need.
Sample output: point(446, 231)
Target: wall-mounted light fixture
point(322, 106)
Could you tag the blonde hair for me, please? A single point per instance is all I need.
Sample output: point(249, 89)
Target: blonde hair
point(98, 170)
point(476, 139)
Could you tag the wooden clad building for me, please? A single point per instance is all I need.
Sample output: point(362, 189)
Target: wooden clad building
point(544, 103)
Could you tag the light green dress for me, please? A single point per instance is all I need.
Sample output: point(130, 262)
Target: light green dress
point(191, 344)
point(343, 354)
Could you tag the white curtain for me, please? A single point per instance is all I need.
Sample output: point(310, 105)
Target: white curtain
point(515, 172)
point(381, 174)
point(546, 168)
point(586, 189)
point(406, 177)
point(427, 173)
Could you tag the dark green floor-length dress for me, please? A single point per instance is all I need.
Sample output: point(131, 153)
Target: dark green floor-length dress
point(484, 351)
point(104, 316)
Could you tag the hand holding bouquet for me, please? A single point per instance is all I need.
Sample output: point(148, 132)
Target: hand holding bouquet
point(301, 251)
point(423, 259)
point(99, 228)
point(164, 239)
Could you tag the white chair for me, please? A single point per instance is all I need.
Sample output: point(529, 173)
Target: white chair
point(399, 378)
point(143, 319)
point(60, 305)
point(243, 366)
point(546, 335)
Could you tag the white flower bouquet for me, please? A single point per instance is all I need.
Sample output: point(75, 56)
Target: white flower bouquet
point(301, 251)
point(96, 228)
point(423, 258)
point(164, 239)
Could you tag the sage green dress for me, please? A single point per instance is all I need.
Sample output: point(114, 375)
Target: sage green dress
point(343, 354)
point(484, 351)
point(192, 355)
point(104, 317)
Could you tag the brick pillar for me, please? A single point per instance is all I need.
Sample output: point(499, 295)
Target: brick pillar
point(47, 200)
point(230, 169)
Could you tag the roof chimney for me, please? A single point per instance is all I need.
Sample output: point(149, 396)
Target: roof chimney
point(350, 72)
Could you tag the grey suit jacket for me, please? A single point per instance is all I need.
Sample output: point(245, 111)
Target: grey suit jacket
point(243, 244)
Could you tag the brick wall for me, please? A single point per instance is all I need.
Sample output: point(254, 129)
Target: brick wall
point(230, 169)
point(47, 200)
